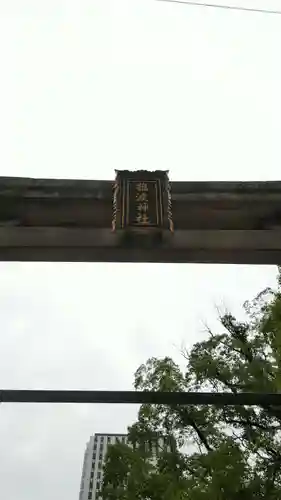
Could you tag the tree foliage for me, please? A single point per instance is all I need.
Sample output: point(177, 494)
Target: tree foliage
point(219, 452)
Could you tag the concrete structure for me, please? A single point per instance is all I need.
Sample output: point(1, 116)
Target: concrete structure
point(94, 460)
point(92, 472)
point(70, 220)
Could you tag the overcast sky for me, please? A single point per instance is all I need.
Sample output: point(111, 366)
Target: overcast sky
point(87, 87)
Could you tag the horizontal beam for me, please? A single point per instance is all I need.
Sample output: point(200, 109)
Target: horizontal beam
point(59, 220)
point(139, 397)
point(55, 237)
point(29, 187)
point(88, 254)
point(102, 245)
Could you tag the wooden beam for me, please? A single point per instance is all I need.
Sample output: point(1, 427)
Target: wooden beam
point(139, 397)
point(70, 220)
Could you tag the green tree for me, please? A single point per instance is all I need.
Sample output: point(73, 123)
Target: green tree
point(218, 452)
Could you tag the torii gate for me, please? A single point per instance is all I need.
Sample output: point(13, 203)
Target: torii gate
point(71, 220)
point(89, 221)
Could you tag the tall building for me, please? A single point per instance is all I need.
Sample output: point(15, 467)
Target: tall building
point(94, 459)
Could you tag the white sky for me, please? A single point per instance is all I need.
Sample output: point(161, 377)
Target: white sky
point(87, 87)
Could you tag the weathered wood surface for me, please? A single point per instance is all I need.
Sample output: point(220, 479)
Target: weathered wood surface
point(70, 220)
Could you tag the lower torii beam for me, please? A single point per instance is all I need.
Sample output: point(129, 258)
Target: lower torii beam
point(140, 397)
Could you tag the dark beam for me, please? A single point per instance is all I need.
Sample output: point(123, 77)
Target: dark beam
point(170, 398)
point(70, 220)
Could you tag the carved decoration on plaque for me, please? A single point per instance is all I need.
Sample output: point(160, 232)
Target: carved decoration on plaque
point(142, 201)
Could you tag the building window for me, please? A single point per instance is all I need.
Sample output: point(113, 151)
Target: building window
point(102, 439)
point(109, 439)
point(98, 486)
point(95, 447)
point(89, 495)
point(100, 465)
point(101, 456)
point(98, 475)
point(123, 439)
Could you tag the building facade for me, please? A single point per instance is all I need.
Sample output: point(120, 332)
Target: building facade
point(95, 455)
point(94, 459)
